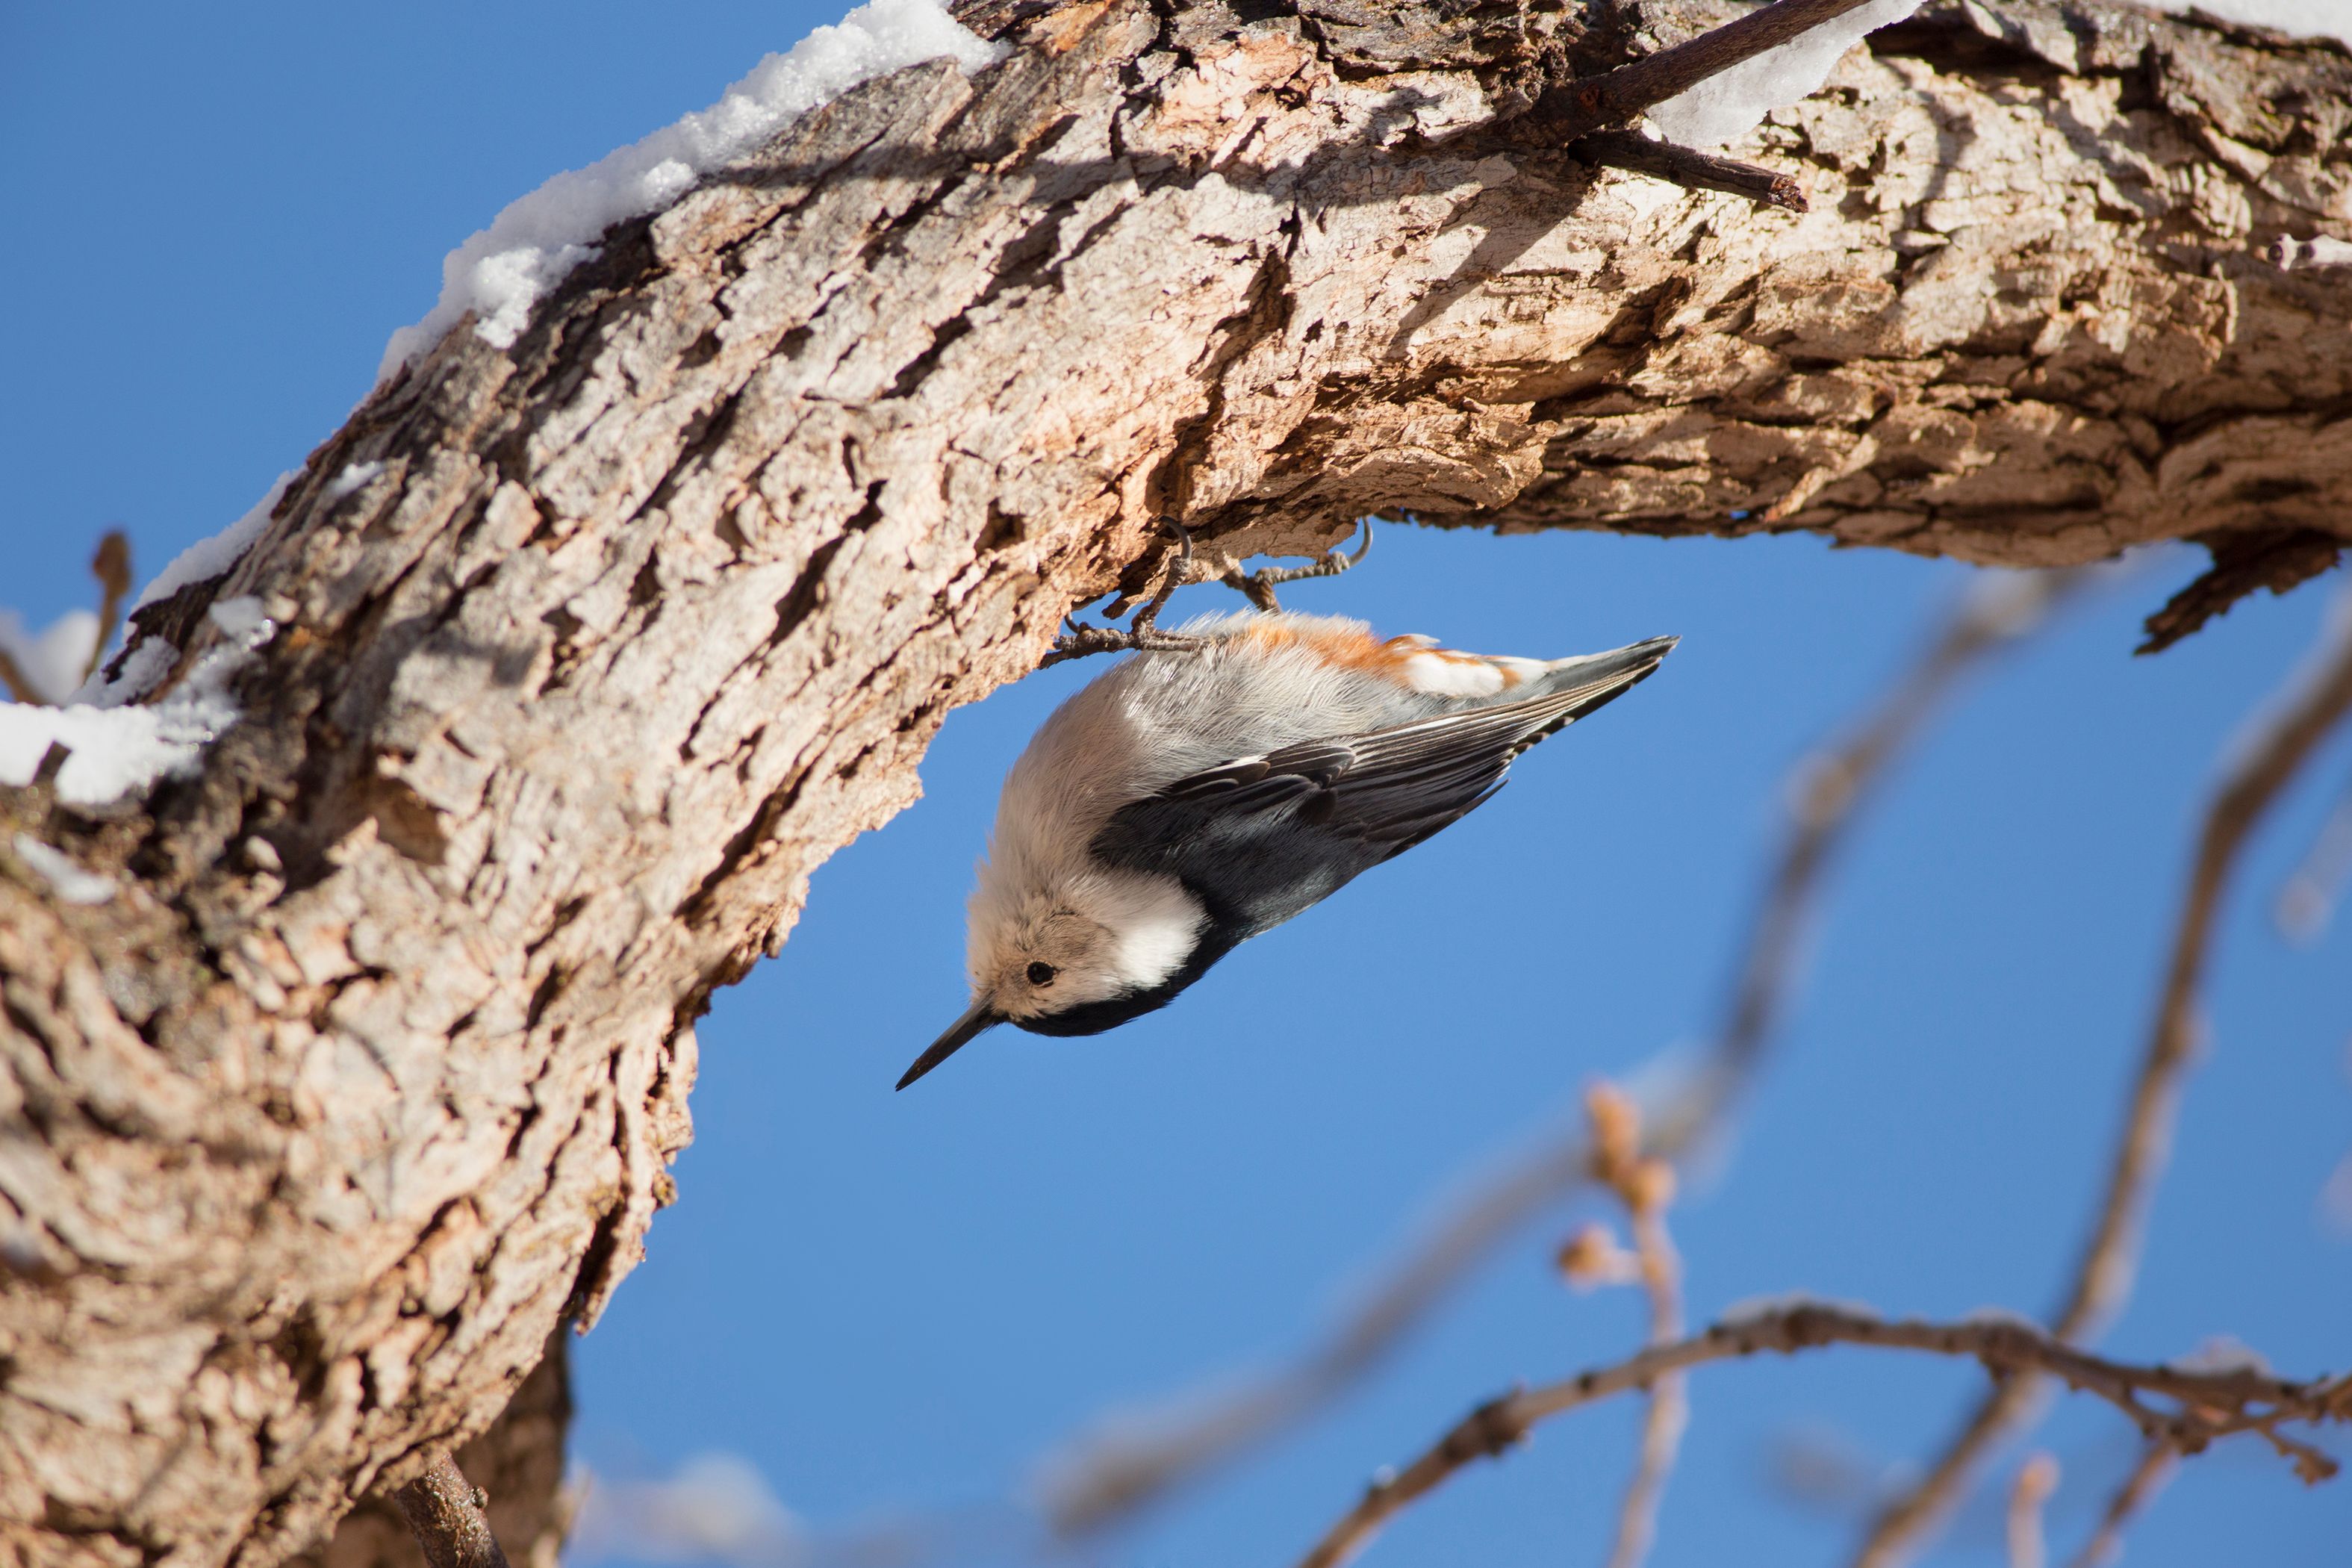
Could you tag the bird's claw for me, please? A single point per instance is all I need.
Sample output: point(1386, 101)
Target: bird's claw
point(1258, 586)
point(1077, 641)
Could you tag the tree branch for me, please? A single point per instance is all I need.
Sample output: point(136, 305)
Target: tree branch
point(446, 1510)
point(2036, 1479)
point(1578, 108)
point(2209, 1404)
point(2259, 769)
point(2157, 1462)
point(1691, 170)
point(1645, 1187)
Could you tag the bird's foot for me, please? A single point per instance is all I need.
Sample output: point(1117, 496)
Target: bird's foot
point(1144, 636)
point(1259, 585)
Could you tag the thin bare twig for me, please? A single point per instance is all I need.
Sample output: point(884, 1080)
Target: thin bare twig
point(1691, 169)
point(445, 1509)
point(2036, 1479)
point(111, 567)
point(2314, 700)
point(2146, 1478)
point(1645, 1186)
point(1111, 1478)
point(2205, 1406)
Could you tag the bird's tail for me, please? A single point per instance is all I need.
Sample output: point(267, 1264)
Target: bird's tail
point(1605, 676)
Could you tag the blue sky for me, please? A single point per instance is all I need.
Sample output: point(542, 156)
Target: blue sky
point(893, 1302)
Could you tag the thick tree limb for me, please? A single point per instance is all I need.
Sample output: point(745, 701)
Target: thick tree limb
point(369, 1075)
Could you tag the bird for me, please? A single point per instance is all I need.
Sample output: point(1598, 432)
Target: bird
point(1239, 771)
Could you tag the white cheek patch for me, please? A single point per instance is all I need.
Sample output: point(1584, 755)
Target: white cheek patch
point(1153, 923)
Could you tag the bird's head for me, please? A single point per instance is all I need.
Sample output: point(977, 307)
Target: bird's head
point(1064, 954)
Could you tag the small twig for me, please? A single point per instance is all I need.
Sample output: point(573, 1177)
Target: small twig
point(1259, 585)
point(2146, 1478)
point(2036, 1479)
point(111, 567)
point(2314, 701)
point(1115, 1476)
point(1144, 637)
point(446, 1510)
point(2286, 252)
point(1578, 108)
point(1645, 1187)
point(2209, 1404)
point(1691, 169)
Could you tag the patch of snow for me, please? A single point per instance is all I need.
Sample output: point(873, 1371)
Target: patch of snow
point(73, 884)
point(1736, 102)
point(503, 271)
point(2308, 18)
point(352, 478)
point(211, 557)
point(2222, 1354)
point(54, 660)
point(2001, 1317)
point(150, 659)
point(114, 751)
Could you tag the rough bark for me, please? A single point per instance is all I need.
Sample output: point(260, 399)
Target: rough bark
point(519, 1462)
point(369, 1076)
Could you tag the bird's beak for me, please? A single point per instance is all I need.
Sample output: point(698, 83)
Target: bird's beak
point(959, 1033)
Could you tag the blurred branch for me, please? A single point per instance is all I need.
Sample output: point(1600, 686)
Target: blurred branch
point(111, 567)
point(2146, 1478)
point(2314, 701)
point(2204, 1405)
point(445, 1509)
point(1645, 1186)
point(1110, 1477)
point(2036, 1479)
point(2308, 901)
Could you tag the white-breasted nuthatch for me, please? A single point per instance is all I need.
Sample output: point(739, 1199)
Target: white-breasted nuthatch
point(1188, 800)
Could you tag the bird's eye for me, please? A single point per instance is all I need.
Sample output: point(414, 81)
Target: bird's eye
point(1041, 974)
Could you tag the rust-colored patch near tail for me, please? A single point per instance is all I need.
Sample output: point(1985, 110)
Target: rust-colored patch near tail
point(1351, 647)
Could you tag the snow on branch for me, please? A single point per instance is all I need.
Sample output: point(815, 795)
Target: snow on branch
point(1735, 101)
point(498, 274)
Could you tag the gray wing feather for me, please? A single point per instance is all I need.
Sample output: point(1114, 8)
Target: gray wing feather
point(1261, 838)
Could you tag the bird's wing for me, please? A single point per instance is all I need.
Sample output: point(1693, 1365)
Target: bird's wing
point(1260, 837)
